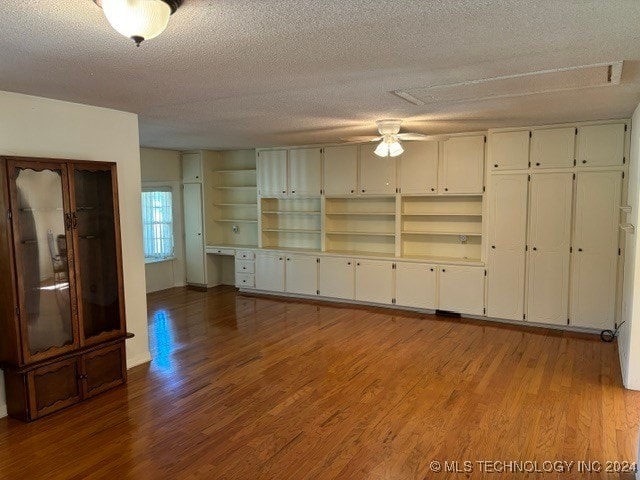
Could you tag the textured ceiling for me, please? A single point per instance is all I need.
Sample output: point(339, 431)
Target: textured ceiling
point(273, 72)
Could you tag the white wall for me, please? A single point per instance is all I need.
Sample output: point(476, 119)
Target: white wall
point(40, 127)
point(629, 336)
point(164, 168)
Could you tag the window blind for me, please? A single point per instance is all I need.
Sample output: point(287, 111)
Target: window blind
point(157, 223)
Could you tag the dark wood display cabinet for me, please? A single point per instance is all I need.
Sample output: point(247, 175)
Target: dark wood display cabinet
point(62, 317)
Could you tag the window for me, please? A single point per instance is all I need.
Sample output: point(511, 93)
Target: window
point(157, 223)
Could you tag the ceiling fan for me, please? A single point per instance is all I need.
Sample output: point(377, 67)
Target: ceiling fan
point(390, 138)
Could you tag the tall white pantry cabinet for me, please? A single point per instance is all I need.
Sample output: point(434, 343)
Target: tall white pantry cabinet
point(554, 242)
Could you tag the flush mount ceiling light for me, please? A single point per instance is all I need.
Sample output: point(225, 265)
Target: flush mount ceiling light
point(139, 20)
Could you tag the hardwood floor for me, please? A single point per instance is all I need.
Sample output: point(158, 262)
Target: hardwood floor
point(251, 387)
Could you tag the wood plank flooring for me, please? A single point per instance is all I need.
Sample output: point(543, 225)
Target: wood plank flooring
point(261, 388)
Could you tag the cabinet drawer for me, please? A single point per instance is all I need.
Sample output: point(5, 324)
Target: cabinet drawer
point(245, 255)
point(104, 369)
point(245, 280)
point(221, 251)
point(245, 266)
point(54, 387)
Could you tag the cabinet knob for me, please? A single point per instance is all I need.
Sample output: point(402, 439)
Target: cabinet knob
point(288, 259)
point(446, 189)
point(348, 263)
point(535, 248)
point(579, 249)
point(433, 189)
point(493, 246)
point(496, 165)
point(358, 264)
point(244, 268)
point(280, 258)
point(363, 190)
point(283, 191)
point(352, 191)
point(584, 161)
point(443, 270)
point(431, 269)
point(293, 191)
point(537, 164)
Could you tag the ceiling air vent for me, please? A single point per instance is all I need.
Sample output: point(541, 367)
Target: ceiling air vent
point(518, 85)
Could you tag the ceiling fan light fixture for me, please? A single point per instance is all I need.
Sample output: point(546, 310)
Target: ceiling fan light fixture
point(382, 150)
point(139, 20)
point(395, 149)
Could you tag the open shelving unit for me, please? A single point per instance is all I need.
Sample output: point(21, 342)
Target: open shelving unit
point(231, 199)
point(291, 223)
point(442, 227)
point(360, 225)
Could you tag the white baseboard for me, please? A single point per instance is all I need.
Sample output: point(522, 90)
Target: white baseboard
point(138, 360)
point(3, 411)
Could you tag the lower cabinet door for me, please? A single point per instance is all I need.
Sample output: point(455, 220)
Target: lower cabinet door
point(301, 274)
point(374, 281)
point(270, 272)
point(54, 387)
point(337, 277)
point(104, 369)
point(416, 285)
point(461, 289)
point(505, 284)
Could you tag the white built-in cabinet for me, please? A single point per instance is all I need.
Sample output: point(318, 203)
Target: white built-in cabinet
point(337, 277)
point(601, 145)
point(507, 237)
point(341, 170)
point(194, 241)
point(462, 166)
point(595, 249)
point(461, 289)
point(293, 173)
point(553, 147)
point(270, 271)
point(416, 285)
point(193, 232)
point(419, 168)
point(377, 174)
point(509, 150)
point(374, 281)
point(301, 274)
point(305, 171)
point(549, 247)
point(191, 167)
point(272, 173)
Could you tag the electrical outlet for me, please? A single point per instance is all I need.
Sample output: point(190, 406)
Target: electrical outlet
point(235, 229)
point(463, 238)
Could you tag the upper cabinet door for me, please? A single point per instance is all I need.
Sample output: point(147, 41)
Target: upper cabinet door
point(42, 232)
point(98, 257)
point(601, 145)
point(509, 150)
point(191, 168)
point(305, 171)
point(419, 168)
point(341, 170)
point(377, 174)
point(462, 167)
point(272, 173)
point(553, 147)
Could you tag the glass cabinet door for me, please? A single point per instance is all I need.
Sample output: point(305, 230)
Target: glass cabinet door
point(43, 258)
point(97, 253)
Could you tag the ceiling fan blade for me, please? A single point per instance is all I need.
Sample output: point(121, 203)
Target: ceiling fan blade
point(420, 137)
point(360, 139)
